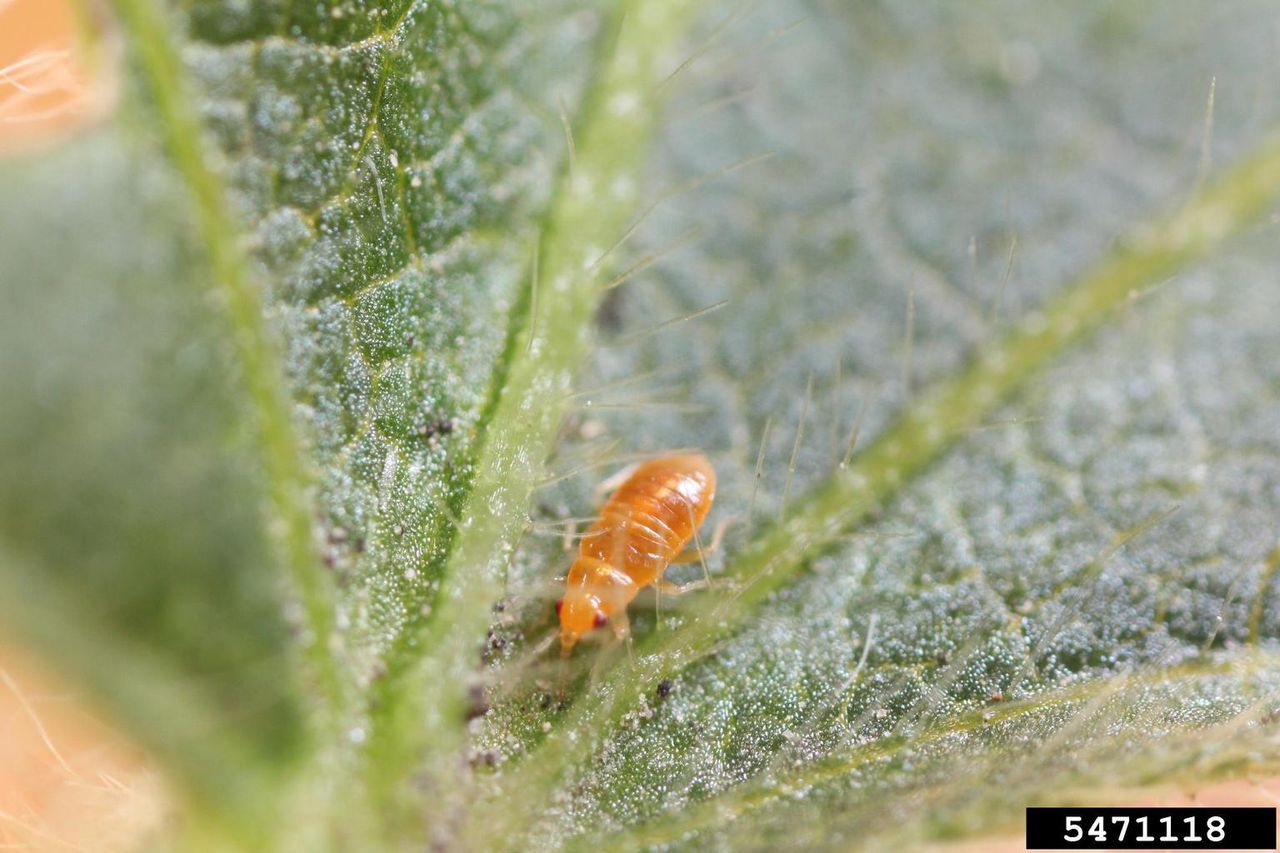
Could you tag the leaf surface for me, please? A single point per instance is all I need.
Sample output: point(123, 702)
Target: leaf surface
point(972, 309)
point(1080, 537)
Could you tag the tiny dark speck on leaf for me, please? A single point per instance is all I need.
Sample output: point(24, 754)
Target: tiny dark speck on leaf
point(609, 315)
point(664, 688)
point(436, 428)
point(493, 642)
point(488, 758)
point(548, 702)
point(477, 704)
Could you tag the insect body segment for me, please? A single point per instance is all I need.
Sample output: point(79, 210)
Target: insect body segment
point(641, 530)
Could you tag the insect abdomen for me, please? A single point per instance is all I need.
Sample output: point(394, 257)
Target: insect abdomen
point(652, 517)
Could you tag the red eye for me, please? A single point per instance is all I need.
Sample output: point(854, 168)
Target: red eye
point(559, 606)
point(601, 619)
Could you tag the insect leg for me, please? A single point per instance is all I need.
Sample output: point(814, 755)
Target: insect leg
point(702, 556)
point(621, 624)
point(717, 538)
point(622, 630)
point(610, 484)
point(669, 588)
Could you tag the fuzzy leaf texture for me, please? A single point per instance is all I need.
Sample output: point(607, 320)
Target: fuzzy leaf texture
point(991, 385)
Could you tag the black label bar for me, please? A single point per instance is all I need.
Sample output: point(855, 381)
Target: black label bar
point(1151, 828)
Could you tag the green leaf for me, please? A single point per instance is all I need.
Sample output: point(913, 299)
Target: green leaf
point(364, 146)
point(1077, 533)
point(374, 157)
point(971, 307)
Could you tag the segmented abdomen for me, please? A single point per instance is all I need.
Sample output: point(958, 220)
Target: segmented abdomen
point(652, 516)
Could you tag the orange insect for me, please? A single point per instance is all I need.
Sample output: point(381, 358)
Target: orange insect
point(642, 529)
